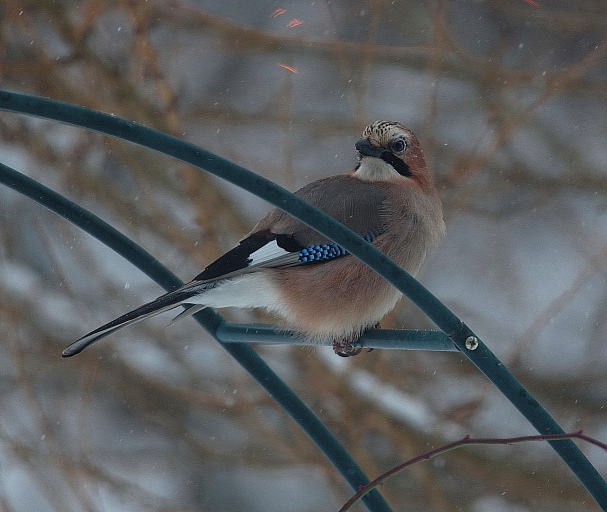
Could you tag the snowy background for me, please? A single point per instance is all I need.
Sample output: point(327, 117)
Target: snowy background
point(508, 100)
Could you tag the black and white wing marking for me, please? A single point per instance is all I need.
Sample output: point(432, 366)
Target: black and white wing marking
point(257, 250)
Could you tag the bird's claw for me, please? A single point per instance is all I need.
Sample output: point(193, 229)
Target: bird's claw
point(344, 348)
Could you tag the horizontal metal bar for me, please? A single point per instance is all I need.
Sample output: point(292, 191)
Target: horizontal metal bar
point(401, 339)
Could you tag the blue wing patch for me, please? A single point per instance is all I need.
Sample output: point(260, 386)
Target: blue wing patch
point(322, 252)
point(325, 252)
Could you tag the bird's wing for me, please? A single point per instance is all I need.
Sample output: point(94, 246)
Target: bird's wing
point(355, 203)
point(280, 240)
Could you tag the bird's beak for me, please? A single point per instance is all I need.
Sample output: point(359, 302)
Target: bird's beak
point(365, 148)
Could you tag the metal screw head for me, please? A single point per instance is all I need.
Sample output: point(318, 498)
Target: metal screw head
point(471, 342)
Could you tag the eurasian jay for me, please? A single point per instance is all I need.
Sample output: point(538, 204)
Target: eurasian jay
point(287, 268)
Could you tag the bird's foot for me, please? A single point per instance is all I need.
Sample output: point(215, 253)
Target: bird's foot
point(344, 348)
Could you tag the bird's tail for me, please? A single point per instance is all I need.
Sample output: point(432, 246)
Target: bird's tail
point(163, 303)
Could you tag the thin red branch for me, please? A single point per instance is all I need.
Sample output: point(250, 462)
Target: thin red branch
point(465, 441)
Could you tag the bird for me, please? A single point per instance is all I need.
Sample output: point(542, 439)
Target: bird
point(320, 290)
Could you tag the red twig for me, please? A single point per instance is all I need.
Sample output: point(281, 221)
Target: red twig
point(465, 441)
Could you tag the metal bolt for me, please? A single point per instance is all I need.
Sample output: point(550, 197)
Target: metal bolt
point(471, 342)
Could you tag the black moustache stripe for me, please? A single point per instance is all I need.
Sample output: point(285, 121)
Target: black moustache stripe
point(399, 166)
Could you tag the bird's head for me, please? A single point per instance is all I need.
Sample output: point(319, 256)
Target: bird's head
point(387, 151)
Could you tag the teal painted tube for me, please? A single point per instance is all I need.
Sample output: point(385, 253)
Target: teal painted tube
point(398, 339)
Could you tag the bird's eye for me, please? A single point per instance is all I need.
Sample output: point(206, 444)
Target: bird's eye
point(398, 146)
